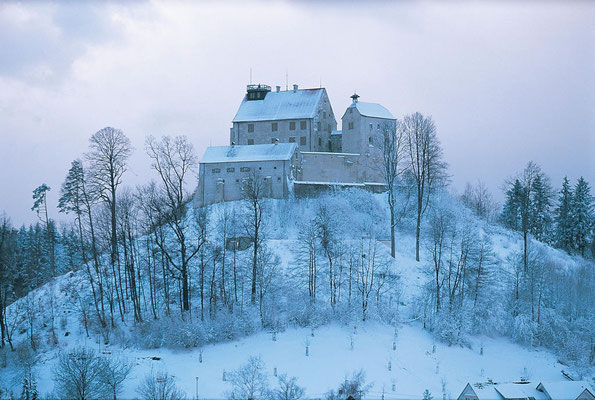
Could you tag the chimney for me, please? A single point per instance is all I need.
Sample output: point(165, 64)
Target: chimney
point(295, 88)
point(278, 88)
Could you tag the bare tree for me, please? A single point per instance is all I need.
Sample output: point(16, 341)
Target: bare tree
point(78, 375)
point(114, 372)
point(366, 270)
point(173, 159)
point(109, 150)
point(479, 199)
point(440, 229)
point(249, 381)
point(253, 192)
point(426, 164)
point(328, 239)
point(160, 386)
point(287, 389)
point(392, 153)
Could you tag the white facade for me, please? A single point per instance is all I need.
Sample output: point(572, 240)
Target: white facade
point(223, 171)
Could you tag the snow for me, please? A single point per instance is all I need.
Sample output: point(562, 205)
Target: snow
point(257, 152)
point(372, 110)
point(288, 104)
point(339, 132)
point(414, 367)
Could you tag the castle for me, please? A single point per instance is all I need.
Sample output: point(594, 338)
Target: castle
point(289, 139)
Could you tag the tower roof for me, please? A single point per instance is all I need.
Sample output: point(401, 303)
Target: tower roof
point(372, 110)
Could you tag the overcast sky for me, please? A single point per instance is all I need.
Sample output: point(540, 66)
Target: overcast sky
point(506, 82)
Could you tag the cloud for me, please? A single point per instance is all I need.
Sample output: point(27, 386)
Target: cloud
point(505, 82)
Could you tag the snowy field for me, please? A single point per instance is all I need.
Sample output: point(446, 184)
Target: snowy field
point(414, 366)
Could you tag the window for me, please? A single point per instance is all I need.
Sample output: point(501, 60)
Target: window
point(319, 141)
point(274, 167)
point(292, 139)
point(274, 126)
point(371, 126)
point(318, 126)
point(250, 127)
point(278, 179)
point(303, 141)
point(231, 170)
point(250, 141)
point(324, 115)
point(351, 125)
point(303, 125)
point(378, 126)
point(328, 128)
point(370, 140)
point(350, 110)
point(245, 169)
point(292, 126)
point(216, 170)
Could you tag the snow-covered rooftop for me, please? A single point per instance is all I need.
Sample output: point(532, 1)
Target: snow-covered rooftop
point(372, 110)
point(257, 152)
point(288, 104)
point(564, 390)
point(339, 132)
point(520, 391)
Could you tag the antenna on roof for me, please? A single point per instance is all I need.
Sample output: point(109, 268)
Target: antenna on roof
point(251, 75)
point(286, 79)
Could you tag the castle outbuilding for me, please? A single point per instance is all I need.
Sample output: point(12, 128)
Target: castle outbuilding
point(290, 140)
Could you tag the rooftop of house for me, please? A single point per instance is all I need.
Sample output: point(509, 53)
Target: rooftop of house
point(246, 153)
point(520, 391)
point(281, 105)
point(371, 110)
point(565, 389)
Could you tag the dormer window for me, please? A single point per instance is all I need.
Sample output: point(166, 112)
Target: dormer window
point(303, 125)
point(274, 126)
point(350, 125)
point(292, 126)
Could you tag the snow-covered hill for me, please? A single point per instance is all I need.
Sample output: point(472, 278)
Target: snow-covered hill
point(417, 360)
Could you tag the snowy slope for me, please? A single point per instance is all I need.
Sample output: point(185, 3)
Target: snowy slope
point(414, 365)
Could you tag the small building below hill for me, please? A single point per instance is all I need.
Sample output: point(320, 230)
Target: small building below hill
point(224, 169)
point(563, 390)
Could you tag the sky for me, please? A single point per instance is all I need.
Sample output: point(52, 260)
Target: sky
point(505, 82)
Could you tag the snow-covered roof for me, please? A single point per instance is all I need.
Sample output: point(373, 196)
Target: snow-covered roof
point(256, 152)
point(482, 392)
point(336, 133)
point(288, 104)
point(565, 390)
point(372, 110)
point(519, 391)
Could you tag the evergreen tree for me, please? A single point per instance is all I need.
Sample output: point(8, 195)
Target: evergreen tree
point(541, 203)
point(582, 215)
point(563, 218)
point(511, 213)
